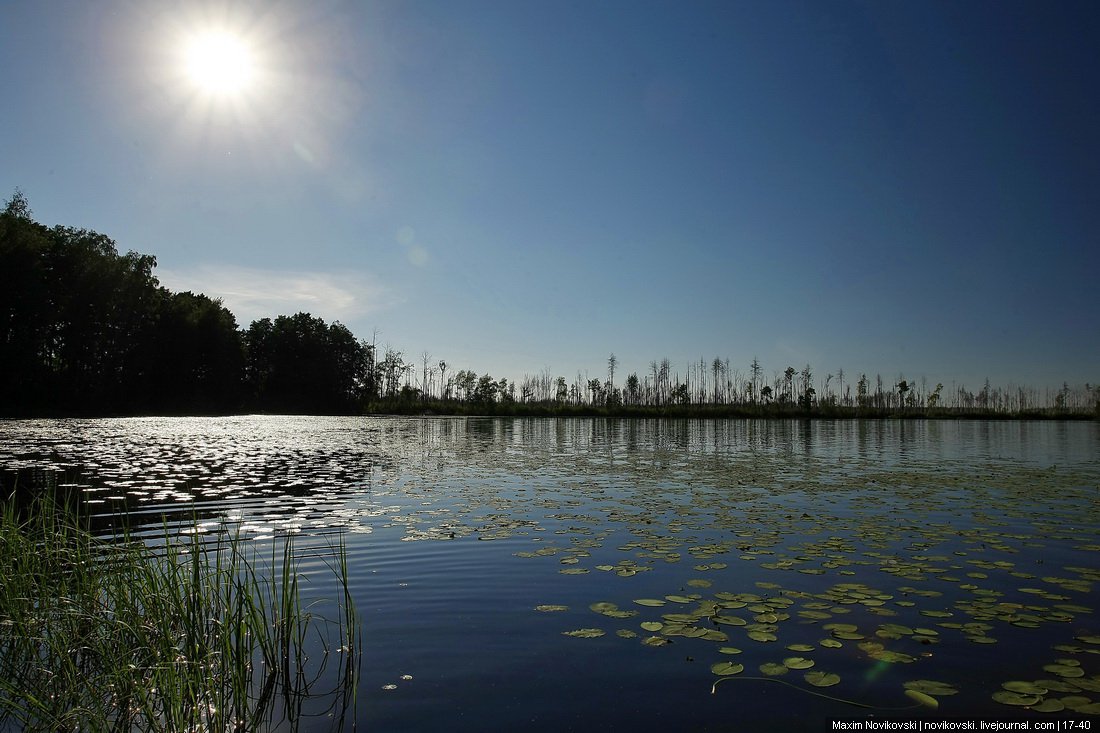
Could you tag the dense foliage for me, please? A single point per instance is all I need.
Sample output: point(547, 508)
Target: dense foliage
point(86, 330)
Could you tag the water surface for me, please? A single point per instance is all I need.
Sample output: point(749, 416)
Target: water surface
point(962, 552)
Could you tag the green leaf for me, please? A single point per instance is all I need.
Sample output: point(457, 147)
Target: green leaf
point(822, 679)
point(931, 687)
point(798, 663)
point(726, 668)
point(926, 700)
point(1015, 698)
point(1025, 688)
point(585, 633)
point(773, 669)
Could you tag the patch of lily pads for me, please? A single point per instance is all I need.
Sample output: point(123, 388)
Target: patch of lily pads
point(941, 599)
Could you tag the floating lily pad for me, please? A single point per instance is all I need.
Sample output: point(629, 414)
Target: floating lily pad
point(729, 650)
point(773, 669)
point(822, 679)
point(655, 641)
point(652, 625)
point(830, 643)
point(1059, 685)
point(1049, 706)
point(585, 633)
point(727, 668)
point(1064, 670)
point(798, 663)
point(1025, 688)
point(762, 636)
point(931, 687)
point(730, 620)
point(848, 635)
point(551, 607)
point(1015, 698)
point(1076, 702)
point(924, 699)
point(654, 602)
point(801, 647)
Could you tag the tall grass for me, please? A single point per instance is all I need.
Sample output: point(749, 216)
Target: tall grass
point(116, 635)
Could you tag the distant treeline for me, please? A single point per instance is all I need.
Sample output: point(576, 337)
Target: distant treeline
point(87, 331)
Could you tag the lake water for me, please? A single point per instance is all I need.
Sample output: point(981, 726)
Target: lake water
point(882, 552)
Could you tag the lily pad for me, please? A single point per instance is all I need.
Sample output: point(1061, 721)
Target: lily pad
point(924, 699)
point(1015, 698)
point(727, 668)
point(822, 679)
point(1064, 670)
point(652, 625)
point(654, 602)
point(773, 669)
point(551, 607)
point(730, 620)
point(798, 663)
point(931, 687)
point(1076, 702)
point(1049, 705)
point(1025, 688)
point(585, 633)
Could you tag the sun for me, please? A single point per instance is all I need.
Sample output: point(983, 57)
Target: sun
point(219, 63)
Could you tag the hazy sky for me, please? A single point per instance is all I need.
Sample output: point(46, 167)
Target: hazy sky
point(884, 187)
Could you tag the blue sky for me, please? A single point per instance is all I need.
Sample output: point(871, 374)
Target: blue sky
point(884, 187)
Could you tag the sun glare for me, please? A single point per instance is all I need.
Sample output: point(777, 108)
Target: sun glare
point(219, 63)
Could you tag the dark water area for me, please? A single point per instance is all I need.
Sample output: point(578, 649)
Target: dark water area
point(498, 564)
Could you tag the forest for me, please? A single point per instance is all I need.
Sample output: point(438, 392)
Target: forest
point(85, 330)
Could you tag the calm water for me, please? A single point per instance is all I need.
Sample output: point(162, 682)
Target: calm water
point(883, 552)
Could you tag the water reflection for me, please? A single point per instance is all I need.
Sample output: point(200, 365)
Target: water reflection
point(269, 475)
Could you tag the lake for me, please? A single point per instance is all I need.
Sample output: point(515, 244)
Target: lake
point(583, 574)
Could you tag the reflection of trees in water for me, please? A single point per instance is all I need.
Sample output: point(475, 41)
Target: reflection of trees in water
point(447, 477)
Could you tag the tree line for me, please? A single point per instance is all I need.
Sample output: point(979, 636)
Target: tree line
point(87, 330)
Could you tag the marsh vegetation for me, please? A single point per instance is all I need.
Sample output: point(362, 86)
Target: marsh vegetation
point(107, 634)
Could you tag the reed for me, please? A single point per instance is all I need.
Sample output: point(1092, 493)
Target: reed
point(113, 634)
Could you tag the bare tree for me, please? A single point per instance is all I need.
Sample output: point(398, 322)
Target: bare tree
point(755, 371)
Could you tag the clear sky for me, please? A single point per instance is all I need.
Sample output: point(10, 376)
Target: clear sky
point(512, 185)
